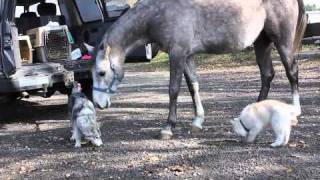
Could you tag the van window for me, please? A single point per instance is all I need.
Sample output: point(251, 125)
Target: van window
point(33, 8)
point(116, 7)
point(89, 10)
point(129, 2)
point(19, 11)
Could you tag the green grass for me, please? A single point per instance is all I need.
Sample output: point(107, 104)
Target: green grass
point(209, 61)
point(310, 47)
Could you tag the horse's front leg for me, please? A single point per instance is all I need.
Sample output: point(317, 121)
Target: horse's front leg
point(263, 48)
point(193, 85)
point(177, 65)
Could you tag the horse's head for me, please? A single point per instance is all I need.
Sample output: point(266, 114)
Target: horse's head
point(107, 74)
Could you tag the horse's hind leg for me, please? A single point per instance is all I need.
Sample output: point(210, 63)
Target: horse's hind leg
point(286, 52)
point(177, 65)
point(263, 47)
point(193, 86)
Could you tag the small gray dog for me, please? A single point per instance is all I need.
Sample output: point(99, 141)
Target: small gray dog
point(83, 118)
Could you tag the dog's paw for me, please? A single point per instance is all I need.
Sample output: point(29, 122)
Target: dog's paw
point(275, 144)
point(72, 138)
point(77, 145)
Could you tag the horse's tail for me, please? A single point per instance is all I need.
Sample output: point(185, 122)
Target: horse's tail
point(301, 26)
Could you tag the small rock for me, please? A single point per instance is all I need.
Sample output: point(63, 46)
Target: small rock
point(176, 173)
point(22, 170)
point(177, 168)
point(153, 158)
point(68, 175)
point(124, 143)
point(293, 145)
point(31, 169)
point(289, 170)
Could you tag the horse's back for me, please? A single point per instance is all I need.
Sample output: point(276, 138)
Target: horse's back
point(229, 25)
point(212, 26)
point(217, 26)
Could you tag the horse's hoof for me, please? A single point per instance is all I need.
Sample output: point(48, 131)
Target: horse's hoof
point(165, 134)
point(196, 125)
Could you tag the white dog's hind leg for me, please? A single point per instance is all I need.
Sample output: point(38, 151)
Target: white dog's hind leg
point(280, 137)
point(286, 135)
point(281, 125)
point(279, 140)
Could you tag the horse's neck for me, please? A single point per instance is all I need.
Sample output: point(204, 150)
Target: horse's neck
point(129, 32)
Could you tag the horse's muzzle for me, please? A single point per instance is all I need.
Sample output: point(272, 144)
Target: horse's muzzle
point(101, 100)
point(107, 105)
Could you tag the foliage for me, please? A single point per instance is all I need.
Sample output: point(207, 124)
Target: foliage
point(312, 7)
point(209, 61)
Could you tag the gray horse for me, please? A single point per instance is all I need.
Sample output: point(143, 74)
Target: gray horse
point(184, 28)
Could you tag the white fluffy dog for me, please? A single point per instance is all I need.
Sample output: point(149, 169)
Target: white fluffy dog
point(256, 116)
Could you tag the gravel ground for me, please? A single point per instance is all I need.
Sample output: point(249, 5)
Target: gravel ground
point(34, 133)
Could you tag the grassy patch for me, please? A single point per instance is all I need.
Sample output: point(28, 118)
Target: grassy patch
point(209, 61)
point(311, 47)
point(203, 61)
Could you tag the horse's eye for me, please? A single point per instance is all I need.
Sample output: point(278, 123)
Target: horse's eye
point(102, 73)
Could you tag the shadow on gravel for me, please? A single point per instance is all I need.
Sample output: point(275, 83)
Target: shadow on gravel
point(30, 112)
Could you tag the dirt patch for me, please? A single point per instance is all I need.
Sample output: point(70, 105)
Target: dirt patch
point(34, 134)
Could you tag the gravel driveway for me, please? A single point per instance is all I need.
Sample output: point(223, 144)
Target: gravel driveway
point(34, 134)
